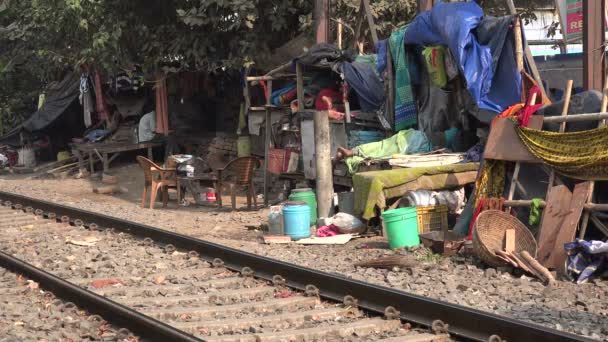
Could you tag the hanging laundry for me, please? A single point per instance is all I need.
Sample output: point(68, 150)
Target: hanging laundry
point(381, 47)
point(406, 112)
point(86, 100)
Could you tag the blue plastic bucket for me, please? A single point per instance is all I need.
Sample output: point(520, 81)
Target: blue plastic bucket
point(296, 221)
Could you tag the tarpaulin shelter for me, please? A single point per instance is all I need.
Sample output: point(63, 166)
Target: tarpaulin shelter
point(482, 47)
point(59, 97)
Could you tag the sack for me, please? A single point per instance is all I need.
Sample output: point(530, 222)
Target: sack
point(434, 56)
point(348, 224)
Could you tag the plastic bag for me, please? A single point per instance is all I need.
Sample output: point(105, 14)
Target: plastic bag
point(275, 220)
point(348, 224)
point(434, 56)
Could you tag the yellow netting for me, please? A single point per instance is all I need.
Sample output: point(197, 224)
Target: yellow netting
point(579, 155)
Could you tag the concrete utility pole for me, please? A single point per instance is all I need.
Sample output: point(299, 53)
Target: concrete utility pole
point(594, 62)
point(324, 178)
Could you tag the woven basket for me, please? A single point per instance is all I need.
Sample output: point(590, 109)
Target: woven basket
point(489, 236)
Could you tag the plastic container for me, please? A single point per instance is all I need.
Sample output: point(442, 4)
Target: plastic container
point(27, 157)
point(346, 202)
point(308, 196)
point(276, 161)
point(243, 146)
point(432, 218)
point(275, 220)
point(296, 220)
point(401, 227)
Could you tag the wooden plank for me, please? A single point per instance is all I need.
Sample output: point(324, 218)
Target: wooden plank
point(510, 240)
point(567, 231)
point(504, 144)
point(331, 240)
point(558, 204)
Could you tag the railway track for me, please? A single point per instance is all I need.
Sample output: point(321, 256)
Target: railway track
point(166, 286)
point(30, 313)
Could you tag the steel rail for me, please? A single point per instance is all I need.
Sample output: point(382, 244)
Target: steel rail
point(121, 316)
point(463, 322)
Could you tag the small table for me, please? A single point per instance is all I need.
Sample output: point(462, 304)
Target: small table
point(208, 179)
point(105, 150)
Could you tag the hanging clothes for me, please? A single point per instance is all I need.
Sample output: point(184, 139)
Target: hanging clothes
point(406, 113)
point(86, 100)
point(102, 107)
point(162, 108)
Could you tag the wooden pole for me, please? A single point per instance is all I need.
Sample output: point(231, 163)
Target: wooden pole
point(528, 54)
point(585, 220)
point(562, 128)
point(267, 131)
point(370, 21)
point(325, 186)
point(340, 34)
point(519, 50)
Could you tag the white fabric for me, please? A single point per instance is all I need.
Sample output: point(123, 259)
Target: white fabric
point(147, 127)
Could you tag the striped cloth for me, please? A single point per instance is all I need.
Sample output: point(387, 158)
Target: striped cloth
point(406, 113)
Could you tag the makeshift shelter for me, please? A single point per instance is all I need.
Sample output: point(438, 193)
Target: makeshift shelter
point(59, 97)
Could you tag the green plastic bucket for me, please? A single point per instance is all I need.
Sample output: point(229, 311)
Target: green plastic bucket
point(401, 227)
point(308, 196)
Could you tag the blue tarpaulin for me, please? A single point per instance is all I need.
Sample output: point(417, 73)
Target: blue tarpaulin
point(454, 25)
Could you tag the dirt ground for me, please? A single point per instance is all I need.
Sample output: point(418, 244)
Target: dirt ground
point(580, 309)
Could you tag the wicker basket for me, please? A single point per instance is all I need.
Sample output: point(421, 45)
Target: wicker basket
point(432, 218)
point(489, 236)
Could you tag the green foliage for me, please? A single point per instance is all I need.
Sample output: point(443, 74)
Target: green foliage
point(40, 37)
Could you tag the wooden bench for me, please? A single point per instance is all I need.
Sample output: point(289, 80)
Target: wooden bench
point(107, 152)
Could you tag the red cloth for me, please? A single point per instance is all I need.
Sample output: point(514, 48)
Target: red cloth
point(102, 107)
point(524, 114)
point(333, 94)
point(474, 218)
point(327, 231)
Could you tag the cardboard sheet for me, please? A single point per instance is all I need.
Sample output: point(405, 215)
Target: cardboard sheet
point(504, 144)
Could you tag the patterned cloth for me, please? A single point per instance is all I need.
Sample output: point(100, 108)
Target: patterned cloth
point(585, 258)
point(373, 188)
point(406, 113)
point(579, 155)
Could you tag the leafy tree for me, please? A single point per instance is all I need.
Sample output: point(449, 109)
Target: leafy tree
point(40, 37)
